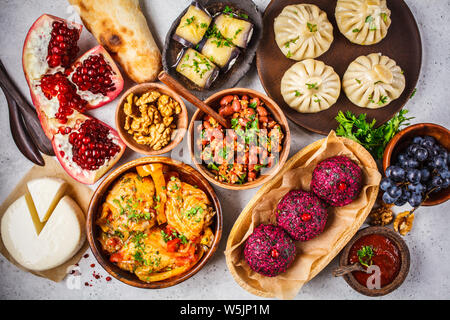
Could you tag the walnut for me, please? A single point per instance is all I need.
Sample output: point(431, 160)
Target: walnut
point(382, 215)
point(403, 222)
point(128, 107)
point(167, 106)
point(148, 97)
point(150, 118)
point(167, 121)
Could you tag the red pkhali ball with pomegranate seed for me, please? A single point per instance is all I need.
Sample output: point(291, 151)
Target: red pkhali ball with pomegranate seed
point(302, 215)
point(337, 181)
point(269, 250)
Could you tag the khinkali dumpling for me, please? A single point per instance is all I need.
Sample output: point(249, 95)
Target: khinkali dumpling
point(303, 31)
point(363, 21)
point(373, 81)
point(310, 86)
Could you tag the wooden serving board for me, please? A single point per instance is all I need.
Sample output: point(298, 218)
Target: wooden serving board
point(244, 220)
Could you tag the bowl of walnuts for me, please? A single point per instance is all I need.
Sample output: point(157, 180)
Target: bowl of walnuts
point(151, 118)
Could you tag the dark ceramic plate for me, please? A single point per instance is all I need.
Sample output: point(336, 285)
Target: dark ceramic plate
point(402, 44)
point(243, 63)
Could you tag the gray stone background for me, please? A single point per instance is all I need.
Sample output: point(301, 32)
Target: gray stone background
point(428, 242)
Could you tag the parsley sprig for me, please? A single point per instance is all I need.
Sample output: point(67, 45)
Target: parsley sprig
point(372, 138)
point(365, 255)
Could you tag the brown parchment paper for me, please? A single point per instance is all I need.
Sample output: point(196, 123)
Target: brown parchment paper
point(79, 192)
point(309, 254)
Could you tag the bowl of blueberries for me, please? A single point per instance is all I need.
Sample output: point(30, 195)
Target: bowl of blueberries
point(416, 164)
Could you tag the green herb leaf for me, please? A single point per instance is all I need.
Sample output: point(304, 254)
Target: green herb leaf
point(373, 139)
point(365, 255)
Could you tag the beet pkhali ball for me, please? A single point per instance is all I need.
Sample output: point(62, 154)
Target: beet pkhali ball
point(337, 181)
point(301, 214)
point(269, 250)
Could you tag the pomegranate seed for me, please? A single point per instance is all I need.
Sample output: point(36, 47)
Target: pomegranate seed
point(274, 253)
point(85, 145)
point(342, 186)
point(62, 48)
point(306, 217)
point(94, 75)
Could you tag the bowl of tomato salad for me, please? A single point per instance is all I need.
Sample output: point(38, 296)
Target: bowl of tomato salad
point(249, 153)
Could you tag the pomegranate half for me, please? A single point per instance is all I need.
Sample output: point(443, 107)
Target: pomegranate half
point(62, 89)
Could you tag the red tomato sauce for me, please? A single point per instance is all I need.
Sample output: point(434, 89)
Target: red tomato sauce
point(386, 257)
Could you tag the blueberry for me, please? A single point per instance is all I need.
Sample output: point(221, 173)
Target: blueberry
point(446, 183)
point(412, 163)
point(421, 154)
point(402, 157)
point(415, 200)
point(388, 171)
point(425, 174)
point(412, 148)
point(437, 181)
point(428, 142)
point(401, 201)
point(445, 174)
point(395, 192)
point(387, 198)
point(439, 162)
point(413, 176)
point(386, 183)
point(398, 173)
point(417, 188)
point(417, 140)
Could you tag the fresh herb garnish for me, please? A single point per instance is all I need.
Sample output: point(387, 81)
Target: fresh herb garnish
point(365, 255)
point(372, 138)
point(297, 93)
point(288, 43)
point(359, 81)
point(311, 85)
point(311, 27)
point(355, 30)
point(413, 93)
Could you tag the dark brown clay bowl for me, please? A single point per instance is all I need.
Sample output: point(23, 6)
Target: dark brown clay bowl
point(187, 174)
point(181, 119)
point(404, 256)
point(404, 137)
point(278, 115)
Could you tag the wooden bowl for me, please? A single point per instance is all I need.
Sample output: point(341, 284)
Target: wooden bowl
point(278, 115)
point(402, 44)
point(243, 222)
point(182, 119)
point(187, 174)
point(404, 256)
point(404, 137)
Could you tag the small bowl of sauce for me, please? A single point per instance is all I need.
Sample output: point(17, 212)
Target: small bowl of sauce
point(384, 257)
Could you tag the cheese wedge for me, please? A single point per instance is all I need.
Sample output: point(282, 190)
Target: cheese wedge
point(46, 193)
point(60, 239)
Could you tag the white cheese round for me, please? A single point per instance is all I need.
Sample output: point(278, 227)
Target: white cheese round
point(60, 239)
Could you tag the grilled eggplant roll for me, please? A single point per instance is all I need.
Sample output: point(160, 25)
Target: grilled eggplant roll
point(222, 53)
point(193, 25)
point(197, 68)
point(235, 30)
